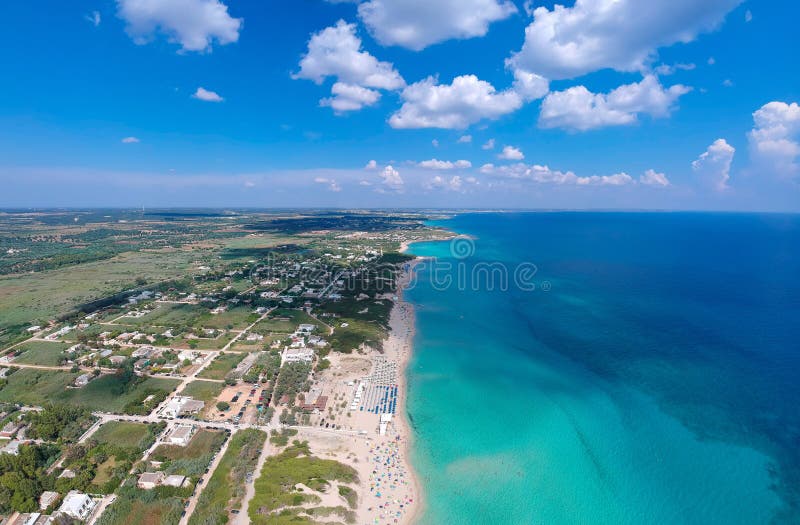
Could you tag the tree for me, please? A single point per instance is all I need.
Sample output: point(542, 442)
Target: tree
point(222, 406)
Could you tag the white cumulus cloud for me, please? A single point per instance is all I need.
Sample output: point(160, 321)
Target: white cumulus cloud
point(465, 139)
point(392, 180)
point(336, 52)
point(652, 178)
point(436, 164)
point(567, 42)
point(454, 183)
point(511, 153)
point(194, 24)
point(714, 165)
point(130, 140)
point(489, 144)
point(371, 165)
point(775, 138)
point(416, 24)
point(350, 97)
point(536, 173)
point(579, 109)
point(530, 86)
point(206, 95)
point(465, 101)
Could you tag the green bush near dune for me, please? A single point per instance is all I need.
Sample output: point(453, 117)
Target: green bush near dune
point(225, 489)
point(275, 488)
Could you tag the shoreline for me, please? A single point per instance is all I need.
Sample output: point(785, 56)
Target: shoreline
point(404, 320)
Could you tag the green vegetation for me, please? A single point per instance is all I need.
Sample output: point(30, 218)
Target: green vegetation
point(222, 364)
point(23, 477)
point(133, 506)
point(357, 333)
point(109, 393)
point(292, 379)
point(231, 319)
point(194, 458)
point(34, 298)
point(42, 353)
point(127, 435)
point(267, 365)
point(284, 320)
point(281, 438)
point(58, 422)
point(104, 460)
point(225, 489)
point(203, 390)
point(275, 489)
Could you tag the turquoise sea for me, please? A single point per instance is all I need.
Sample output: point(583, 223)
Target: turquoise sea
point(652, 377)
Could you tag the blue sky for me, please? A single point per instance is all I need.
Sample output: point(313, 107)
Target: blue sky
point(665, 104)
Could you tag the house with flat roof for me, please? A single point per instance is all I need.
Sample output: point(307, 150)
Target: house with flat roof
point(12, 447)
point(150, 480)
point(83, 380)
point(295, 355)
point(77, 505)
point(180, 405)
point(47, 498)
point(10, 429)
point(181, 435)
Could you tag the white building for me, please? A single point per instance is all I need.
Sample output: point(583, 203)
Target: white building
point(181, 435)
point(83, 380)
point(181, 405)
point(77, 505)
point(47, 498)
point(12, 447)
point(306, 328)
point(150, 480)
point(295, 355)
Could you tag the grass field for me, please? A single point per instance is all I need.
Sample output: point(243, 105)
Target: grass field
point(285, 321)
point(167, 315)
point(104, 471)
point(206, 391)
point(43, 353)
point(223, 364)
point(38, 387)
point(123, 434)
point(202, 443)
point(144, 507)
point(37, 297)
point(355, 334)
point(225, 489)
point(232, 319)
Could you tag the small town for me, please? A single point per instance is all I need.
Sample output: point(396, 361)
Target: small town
point(179, 402)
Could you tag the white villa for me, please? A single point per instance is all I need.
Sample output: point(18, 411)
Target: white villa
point(77, 505)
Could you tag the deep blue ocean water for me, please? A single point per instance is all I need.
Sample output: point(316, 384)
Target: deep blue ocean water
point(652, 377)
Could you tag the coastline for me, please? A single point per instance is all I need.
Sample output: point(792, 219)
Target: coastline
point(402, 324)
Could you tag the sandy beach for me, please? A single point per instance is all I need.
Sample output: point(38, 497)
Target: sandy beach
point(389, 491)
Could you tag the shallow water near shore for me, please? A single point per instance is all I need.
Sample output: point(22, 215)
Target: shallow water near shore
point(654, 381)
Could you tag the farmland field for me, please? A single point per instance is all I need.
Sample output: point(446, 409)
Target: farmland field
point(223, 364)
point(44, 353)
point(203, 390)
point(38, 387)
point(124, 434)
